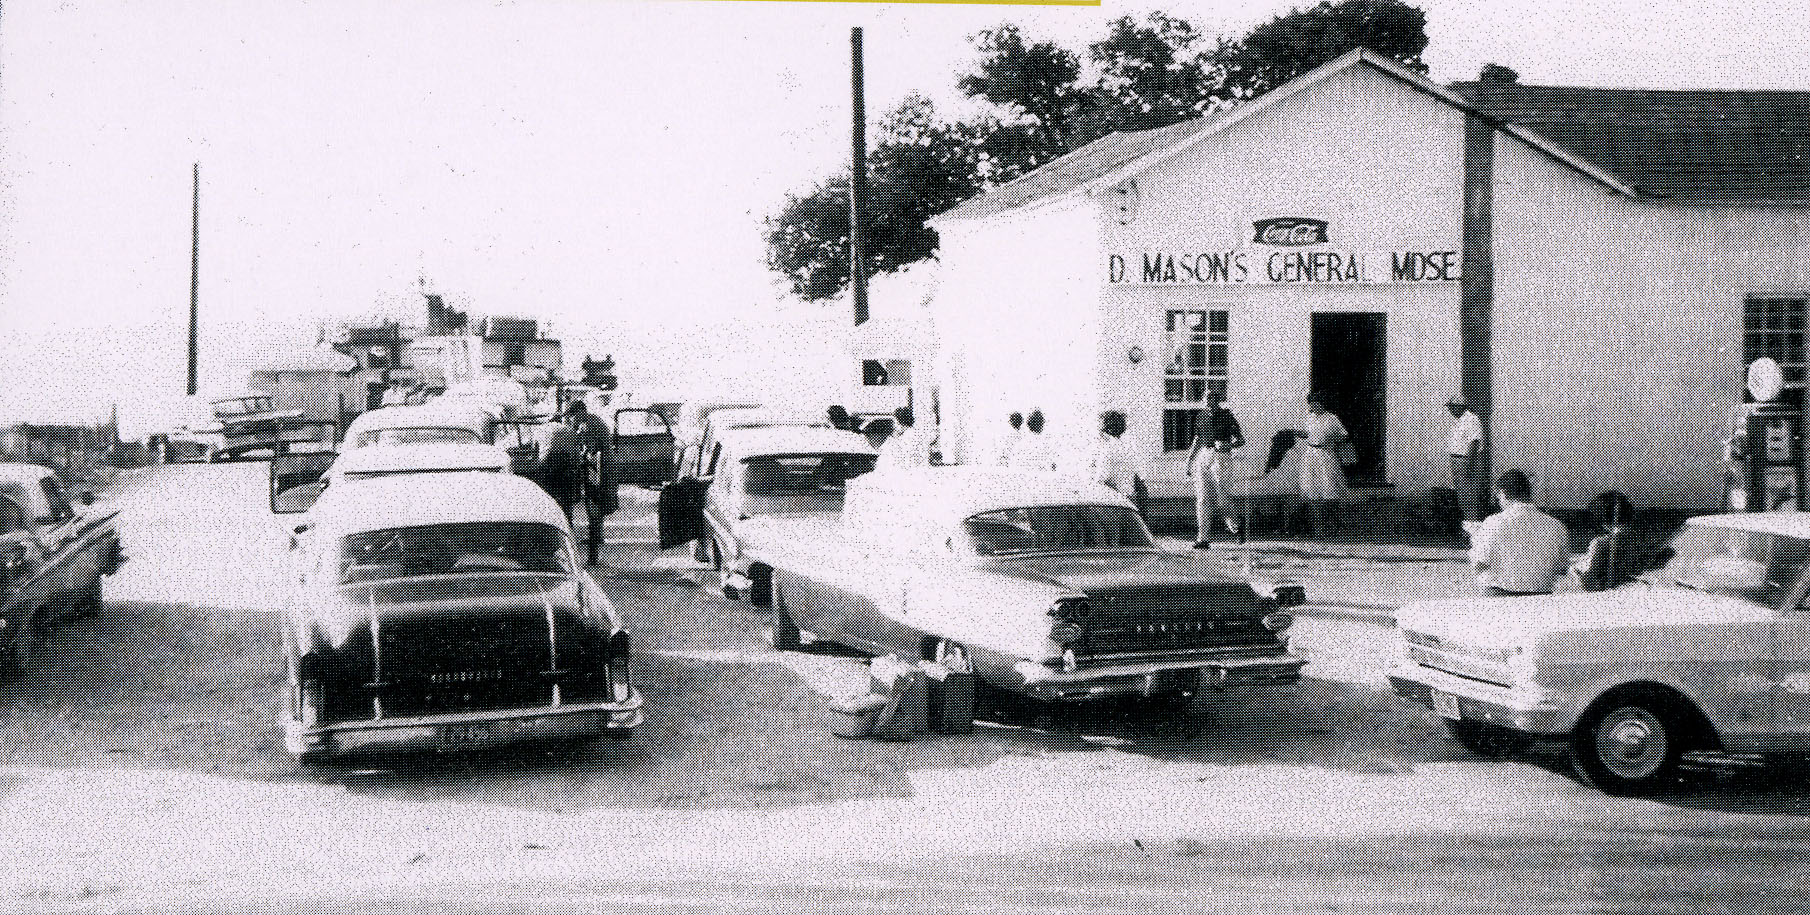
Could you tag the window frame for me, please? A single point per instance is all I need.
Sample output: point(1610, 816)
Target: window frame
point(1189, 384)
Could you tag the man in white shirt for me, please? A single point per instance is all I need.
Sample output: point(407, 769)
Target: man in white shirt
point(1032, 450)
point(906, 447)
point(1111, 462)
point(1009, 444)
point(1464, 445)
point(1520, 549)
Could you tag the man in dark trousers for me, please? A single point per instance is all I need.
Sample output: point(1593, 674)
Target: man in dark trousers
point(598, 485)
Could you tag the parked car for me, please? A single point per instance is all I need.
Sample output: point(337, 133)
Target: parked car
point(760, 474)
point(441, 420)
point(1709, 652)
point(446, 612)
point(52, 558)
point(729, 419)
point(1048, 586)
point(688, 428)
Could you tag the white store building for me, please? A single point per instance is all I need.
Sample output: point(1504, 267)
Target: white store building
point(1591, 268)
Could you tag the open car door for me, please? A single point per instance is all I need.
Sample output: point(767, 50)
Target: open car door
point(641, 451)
point(295, 480)
point(681, 512)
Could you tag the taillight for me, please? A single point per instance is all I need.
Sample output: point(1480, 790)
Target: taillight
point(1278, 622)
point(620, 686)
point(308, 703)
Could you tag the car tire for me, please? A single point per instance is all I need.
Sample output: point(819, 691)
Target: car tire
point(1486, 739)
point(1629, 744)
point(782, 632)
point(20, 655)
point(90, 602)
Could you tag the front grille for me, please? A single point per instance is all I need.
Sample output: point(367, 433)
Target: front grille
point(1164, 620)
point(433, 665)
point(1459, 665)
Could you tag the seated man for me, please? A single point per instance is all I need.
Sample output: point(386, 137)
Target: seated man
point(1520, 549)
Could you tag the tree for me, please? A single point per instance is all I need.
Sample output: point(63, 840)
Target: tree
point(1150, 74)
point(1292, 44)
point(920, 166)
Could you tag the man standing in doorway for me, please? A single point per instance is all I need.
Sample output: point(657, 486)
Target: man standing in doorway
point(1464, 445)
point(1520, 549)
point(1210, 467)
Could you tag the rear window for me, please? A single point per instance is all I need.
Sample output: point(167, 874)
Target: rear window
point(803, 474)
point(416, 436)
point(1056, 528)
point(441, 549)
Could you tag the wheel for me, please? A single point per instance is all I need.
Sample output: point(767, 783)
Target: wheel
point(90, 601)
point(782, 632)
point(1486, 739)
point(20, 655)
point(1628, 744)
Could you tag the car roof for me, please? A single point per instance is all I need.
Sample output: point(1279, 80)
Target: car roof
point(439, 413)
point(424, 457)
point(416, 500)
point(12, 471)
point(750, 417)
point(742, 444)
point(1783, 524)
point(963, 491)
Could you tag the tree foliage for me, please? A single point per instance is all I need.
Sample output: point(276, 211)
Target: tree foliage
point(1142, 75)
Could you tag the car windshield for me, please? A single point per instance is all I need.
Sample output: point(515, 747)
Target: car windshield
point(1756, 565)
point(440, 549)
point(416, 435)
point(821, 475)
point(1055, 528)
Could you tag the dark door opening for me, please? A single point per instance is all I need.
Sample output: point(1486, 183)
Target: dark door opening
point(1348, 365)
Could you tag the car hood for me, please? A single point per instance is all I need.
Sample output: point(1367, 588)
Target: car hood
point(1504, 622)
point(1110, 571)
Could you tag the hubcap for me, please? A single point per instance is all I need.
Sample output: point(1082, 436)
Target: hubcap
point(1632, 743)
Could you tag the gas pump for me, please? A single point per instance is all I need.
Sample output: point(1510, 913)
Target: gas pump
point(1764, 457)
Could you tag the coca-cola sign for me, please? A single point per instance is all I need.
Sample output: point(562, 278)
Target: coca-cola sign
point(1292, 231)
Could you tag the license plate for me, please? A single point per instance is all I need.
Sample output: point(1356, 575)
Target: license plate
point(1446, 705)
point(467, 735)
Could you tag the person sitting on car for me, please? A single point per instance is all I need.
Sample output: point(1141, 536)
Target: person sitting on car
point(1520, 549)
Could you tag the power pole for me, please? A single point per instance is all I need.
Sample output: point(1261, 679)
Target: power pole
point(857, 186)
point(195, 280)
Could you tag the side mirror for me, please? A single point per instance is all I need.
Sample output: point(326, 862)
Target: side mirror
point(295, 480)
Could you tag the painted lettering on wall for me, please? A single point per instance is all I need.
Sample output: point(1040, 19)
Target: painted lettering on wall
point(1319, 266)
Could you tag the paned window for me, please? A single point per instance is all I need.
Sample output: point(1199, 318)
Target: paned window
point(1774, 326)
point(1197, 342)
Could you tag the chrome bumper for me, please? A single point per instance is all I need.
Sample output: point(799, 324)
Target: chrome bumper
point(1523, 708)
point(467, 730)
point(1148, 677)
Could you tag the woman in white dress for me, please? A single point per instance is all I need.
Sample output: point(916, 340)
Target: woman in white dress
point(1322, 476)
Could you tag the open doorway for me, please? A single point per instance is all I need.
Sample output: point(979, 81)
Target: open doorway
point(1347, 364)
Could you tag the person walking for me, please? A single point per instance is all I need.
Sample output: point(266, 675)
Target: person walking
point(1464, 445)
point(1520, 549)
point(597, 482)
point(907, 447)
point(1210, 467)
point(1112, 464)
point(1009, 444)
point(561, 467)
point(1032, 450)
point(1322, 475)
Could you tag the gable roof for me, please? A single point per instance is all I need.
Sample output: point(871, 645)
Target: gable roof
point(1685, 146)
point(1699, 147)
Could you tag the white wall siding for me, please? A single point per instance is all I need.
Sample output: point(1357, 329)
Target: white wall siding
point(1618, 328)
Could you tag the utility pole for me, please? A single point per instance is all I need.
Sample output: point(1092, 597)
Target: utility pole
point(857, 186)
point(195, 280)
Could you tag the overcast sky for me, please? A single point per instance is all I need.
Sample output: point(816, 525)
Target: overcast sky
point(604, 165)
